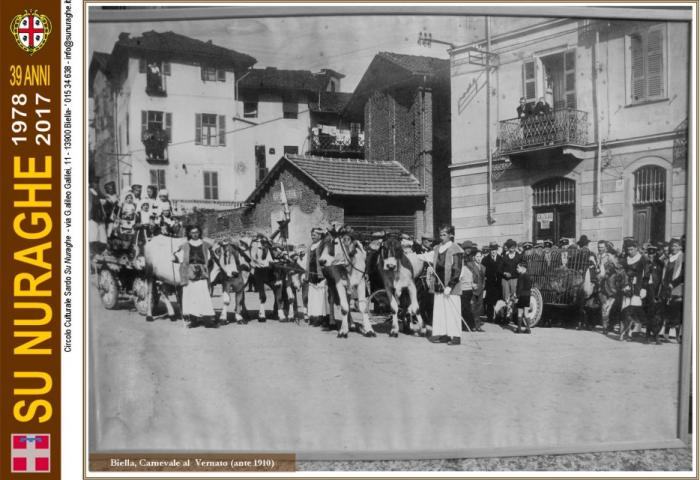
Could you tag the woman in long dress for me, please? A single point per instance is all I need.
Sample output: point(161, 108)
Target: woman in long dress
point(447, 288)
point(194, 278)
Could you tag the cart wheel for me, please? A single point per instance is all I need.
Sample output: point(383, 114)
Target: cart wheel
point(142, 301)
point(536, 307)
point(108, 288)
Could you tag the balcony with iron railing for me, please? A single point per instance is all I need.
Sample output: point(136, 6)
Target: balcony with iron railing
point(328, 145)
point(565, 127)
point(184, 206)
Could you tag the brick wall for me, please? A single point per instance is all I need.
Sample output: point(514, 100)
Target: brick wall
point(412, 126)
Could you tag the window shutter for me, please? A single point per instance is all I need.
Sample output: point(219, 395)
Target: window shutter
point(154, 177)
point(214, 179)
point(221, 75)
point(529, 91)
point(169, 126)
point(654, 62)
point(638, 78)
point(198, 129)
point(570, 78)
point(144, 121)
point(201, 72)
point(166, 68)
point(142, 65)
point(222, 130)
point(206, 186)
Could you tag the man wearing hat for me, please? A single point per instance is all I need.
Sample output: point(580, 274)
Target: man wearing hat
point(427, 242)
point(472, 279)
point(493, 266)
point(509, 272)
point(527, 250)
point(656, 268)
point(376, 282)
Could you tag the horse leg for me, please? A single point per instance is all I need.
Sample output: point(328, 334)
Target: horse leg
point(344, 309)
point(414, 308)
point(367, 329)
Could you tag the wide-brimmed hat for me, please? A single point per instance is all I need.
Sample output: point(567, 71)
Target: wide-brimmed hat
point(468, 245)
point(583, 241)
point(526, 245)
point(493, 245)
point(563, 242)
point(539, 244)
point(547, 243)
point(378, 235)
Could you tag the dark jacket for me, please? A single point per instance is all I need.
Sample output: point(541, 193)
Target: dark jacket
point(510, 265)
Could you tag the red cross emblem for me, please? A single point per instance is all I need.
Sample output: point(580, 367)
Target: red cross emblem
point(30, 30)
point(31, 453)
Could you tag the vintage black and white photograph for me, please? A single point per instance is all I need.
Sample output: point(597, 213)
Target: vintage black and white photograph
point(409, 235)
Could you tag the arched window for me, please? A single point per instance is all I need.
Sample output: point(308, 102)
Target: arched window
point(649, 204)
point(554, 209)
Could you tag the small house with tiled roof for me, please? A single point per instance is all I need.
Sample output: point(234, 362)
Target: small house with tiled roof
point(163, 110)
point(366, 194)
point(403, 103)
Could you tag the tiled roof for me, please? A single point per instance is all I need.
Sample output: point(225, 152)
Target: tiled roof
point(274, 79)
point(387, 70)
point(174, 45)
point(333, 102)
point(344, 176)
point(418, 65)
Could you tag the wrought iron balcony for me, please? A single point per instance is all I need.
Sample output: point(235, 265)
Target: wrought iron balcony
point(559, 128)
point(184, 206)
point(332, 146)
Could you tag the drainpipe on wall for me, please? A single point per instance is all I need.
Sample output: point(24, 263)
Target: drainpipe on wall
point(235, 90)
point(597, 208)
point(489, 185)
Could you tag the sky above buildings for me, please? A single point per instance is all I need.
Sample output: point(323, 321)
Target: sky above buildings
point(346, 44)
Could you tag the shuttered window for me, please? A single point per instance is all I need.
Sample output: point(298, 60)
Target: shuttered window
point(647, 64)
point(211, 186)
point(210, 129)
point(158, 178)
point(529, 81)
point(649, 185)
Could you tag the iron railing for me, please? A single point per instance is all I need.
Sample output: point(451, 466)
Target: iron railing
point(325, 143)
point(181, 206)
point(561, 127)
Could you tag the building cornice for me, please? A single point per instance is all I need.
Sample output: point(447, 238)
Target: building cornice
point(591, 147)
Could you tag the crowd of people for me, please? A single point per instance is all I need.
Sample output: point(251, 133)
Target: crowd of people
point(465, 282)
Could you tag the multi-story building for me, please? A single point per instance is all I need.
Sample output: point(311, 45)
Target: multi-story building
point(290, 112)
point(608, 161)
point(164, 105)
point(403, 102)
